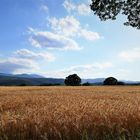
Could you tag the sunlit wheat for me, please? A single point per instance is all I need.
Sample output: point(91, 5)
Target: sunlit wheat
point(70, 113)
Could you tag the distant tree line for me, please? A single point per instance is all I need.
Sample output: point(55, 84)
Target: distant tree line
point(75, 80)
point(50, 84)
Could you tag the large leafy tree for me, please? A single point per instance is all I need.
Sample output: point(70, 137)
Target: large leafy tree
point(110, 81)
point(73, 80)
point(109, 9)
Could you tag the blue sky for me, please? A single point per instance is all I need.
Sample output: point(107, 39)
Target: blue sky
point(56, 38)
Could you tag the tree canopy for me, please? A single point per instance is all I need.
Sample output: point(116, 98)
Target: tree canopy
point(109, 9)
point(110, 81)
point(73, 80)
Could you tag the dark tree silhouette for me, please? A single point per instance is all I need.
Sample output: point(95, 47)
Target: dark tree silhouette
point(23, 84)
point(109, 9)
point(73, 80)
point(110, 81)
point(86, 84)
point(120, 83)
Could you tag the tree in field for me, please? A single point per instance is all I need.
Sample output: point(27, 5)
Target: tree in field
point(86, 84)
point(110, 81)
point(120, 83)
point(73, 80)
point(109, 9)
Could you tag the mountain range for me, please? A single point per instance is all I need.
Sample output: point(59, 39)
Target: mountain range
point(27, 79)
point(34, 80)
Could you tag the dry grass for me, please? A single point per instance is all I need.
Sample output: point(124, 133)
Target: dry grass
point(70, 113)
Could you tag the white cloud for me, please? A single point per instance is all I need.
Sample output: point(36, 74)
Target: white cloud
point(44, 8)
point(69, 6)
point(24, 61)
point(52, 41)
point(81, 9)
point(84, 71)
point(130, 55)
point(70, 26)
point(34, 42)
point(25, 53)
point(89, 35)
point(18, 65)
point(67, 26)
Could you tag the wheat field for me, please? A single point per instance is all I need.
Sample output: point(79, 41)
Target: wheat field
point(70, 113)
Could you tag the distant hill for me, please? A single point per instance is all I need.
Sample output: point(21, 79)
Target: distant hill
point(27, 79)
point(35, 80)
point(95, 81)
point(29, 76)
point(130, 82)
point(99, 81)
point(24, 75)
point(5, 74)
